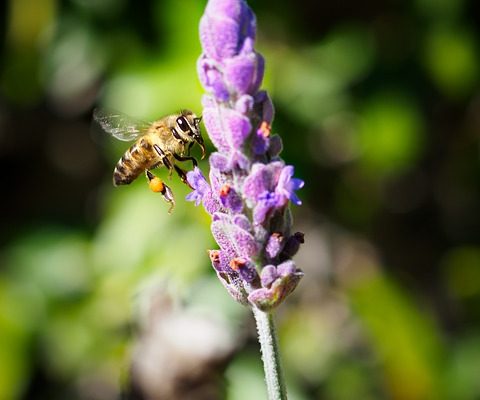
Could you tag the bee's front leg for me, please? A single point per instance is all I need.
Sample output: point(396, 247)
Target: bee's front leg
point(183, 175)
point(158, 186)
point(187, 158)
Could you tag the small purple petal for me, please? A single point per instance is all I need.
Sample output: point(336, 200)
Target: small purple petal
point(194, 196)
point(244, 243)
point(245, 269)
point(221, 237)
point(211, 203)
point(200, 185)
point(295, 199)
point(248, 274)
point(286, 268)
point(236, 127)
point(266, 202)
point(244, 104)
point(218, 180)
point(244, 73)
point(219, 161)
point(230, 199)
point(242, 221)
point(232, 238)
point(262, 179)
point(274, 244)
point(219, 36)
point(268, 275)
point(238, 160)
point(212, 121)
point(267, 299)
point(212, 79)
point(287, 185)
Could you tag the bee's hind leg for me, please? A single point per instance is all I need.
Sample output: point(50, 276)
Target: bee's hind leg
point(158, 186)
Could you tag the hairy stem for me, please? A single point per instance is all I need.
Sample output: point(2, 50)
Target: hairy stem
point(270, 354)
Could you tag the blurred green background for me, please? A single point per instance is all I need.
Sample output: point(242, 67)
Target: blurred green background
point(104, 295)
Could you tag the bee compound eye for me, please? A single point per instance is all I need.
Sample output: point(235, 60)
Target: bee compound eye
point(183, 124)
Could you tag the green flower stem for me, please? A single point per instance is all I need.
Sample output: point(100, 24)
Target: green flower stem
point(270, 354)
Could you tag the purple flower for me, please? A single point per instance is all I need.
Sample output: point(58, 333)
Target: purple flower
point(267, 202)
point(250, 186)
point(200, 185)
point(287, 185)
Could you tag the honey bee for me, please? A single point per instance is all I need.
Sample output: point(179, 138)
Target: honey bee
point(163, 142)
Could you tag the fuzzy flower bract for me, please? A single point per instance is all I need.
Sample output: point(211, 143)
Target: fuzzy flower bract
point(250, 186)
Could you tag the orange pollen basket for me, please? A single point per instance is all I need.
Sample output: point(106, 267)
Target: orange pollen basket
point(156, 185)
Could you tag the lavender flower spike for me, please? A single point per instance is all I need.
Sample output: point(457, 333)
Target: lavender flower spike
point(250, 186)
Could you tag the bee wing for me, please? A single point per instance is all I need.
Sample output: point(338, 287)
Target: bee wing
point(119, 125)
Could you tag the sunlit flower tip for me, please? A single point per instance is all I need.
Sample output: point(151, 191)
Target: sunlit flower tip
point(235, 10)
point(224, 28)
point(245, 269)
point(268, 275)
point(200, 185)
point(274, 244)
point(287, 185)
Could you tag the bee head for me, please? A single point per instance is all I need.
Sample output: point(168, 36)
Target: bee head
point(189, 124)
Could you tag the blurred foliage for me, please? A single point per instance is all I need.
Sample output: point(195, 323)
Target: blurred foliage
point(378, 104)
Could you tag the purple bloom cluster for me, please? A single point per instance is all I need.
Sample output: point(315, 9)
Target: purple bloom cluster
point(250, 186)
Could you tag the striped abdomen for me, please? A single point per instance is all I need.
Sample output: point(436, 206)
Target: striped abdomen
point(135, 161)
